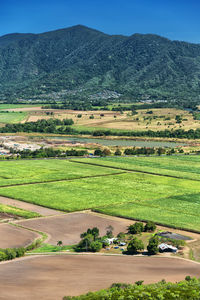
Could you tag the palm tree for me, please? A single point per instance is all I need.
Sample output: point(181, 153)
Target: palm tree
point(59, 243)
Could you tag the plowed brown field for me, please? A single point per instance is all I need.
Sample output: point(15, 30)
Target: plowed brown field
point(52, 277)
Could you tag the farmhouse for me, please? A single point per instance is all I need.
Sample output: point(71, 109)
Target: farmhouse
point(167, 248)
point(111, 240)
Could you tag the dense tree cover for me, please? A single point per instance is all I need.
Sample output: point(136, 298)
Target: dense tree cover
point(47, 152)
point(79, 105)
point(11, 253)
point(81, 61)
point(178, 133)
point(102, 104)
point(43, 126)
point(188, 289)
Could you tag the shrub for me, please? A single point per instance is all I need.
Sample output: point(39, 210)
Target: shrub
point(3, 256)
point(98, 152)
point(150, 226)
point(106, 152)
point(136, 228)
point(118, 152)
point(10, 253)
point(134, 246)
point(153, 245)
point(96, 246)
point(19, 251)
point(121, 236)
point(139, 282)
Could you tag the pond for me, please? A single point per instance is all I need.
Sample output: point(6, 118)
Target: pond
point(120, 142)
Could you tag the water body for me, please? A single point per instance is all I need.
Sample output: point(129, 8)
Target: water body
point(121, 142)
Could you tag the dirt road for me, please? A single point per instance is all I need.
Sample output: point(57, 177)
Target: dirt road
point(28, 206)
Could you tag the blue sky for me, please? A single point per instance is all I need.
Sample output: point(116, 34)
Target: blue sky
point(175, 19)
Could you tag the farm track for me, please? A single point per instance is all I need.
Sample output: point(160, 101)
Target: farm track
point(44, 211)
point(60, 180)
point(134, 171)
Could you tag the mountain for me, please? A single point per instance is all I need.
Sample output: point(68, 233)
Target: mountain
point(79, 61)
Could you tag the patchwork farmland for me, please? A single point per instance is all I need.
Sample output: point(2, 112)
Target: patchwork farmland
point(61, 198)
point(163, 189)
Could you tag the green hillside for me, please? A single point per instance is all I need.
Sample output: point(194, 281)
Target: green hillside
point(79, 61)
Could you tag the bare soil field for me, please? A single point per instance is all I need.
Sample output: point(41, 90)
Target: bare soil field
point(13, 237)
point(6, 216)
point(31, 207)
point(52, 277)
point(68, 228)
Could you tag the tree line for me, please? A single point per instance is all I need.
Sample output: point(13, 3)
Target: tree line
point(187, 289)
point(63, 127)
point(47, 152)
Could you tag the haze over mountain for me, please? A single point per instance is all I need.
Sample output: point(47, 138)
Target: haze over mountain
point(81, 61)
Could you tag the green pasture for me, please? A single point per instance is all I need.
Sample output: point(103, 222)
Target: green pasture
point(12, 117)
point(179, 166)
point(52, 248)
point(30, 171)
point(17, 211)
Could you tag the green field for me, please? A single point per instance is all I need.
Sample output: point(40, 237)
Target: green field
point(30, 171)
point(17, 211)
point(183, 166)
point(167, 200)
point(12, 117)
point(11, 106)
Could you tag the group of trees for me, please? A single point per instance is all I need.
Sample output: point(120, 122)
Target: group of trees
point(136, 245)
point(104, 152)
point(146, 151)
point(187, 289)
point(139, 227)
point(43, 126)
point(47, 152)
point(11, 253)
point(91, 241)
point(178, 133)
point(137, 151)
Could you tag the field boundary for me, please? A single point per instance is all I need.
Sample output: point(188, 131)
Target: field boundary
point(145, 220)
point(58, 180)
point(134, 171)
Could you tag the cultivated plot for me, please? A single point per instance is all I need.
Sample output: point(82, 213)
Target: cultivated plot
point(14, 237)
point(12, 117)
point(67, 228)
point(31, 171)
point(52, 277)
point(152, 193)
point(179, 166)
point(101, 191)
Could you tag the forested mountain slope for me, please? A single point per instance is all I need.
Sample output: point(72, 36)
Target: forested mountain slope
point(85, 61)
